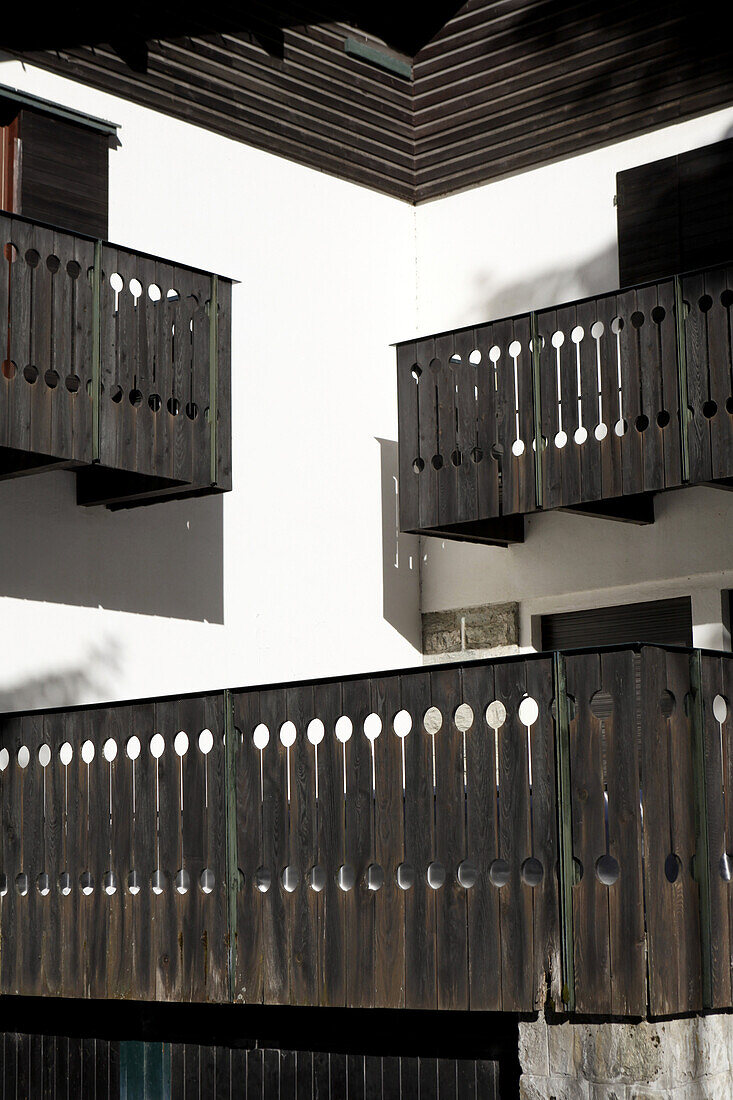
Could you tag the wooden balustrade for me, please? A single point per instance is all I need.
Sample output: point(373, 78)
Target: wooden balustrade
point(115, 364)
point(627, 394)
point(477, 836)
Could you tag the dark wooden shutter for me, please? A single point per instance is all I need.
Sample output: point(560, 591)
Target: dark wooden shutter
point(676, 214)
point(664, 622)
point(64, 173)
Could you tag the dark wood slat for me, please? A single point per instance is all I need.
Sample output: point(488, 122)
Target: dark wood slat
point(359, 902)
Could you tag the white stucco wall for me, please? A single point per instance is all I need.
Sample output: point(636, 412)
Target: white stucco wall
point(540, 238)
point(291, 574)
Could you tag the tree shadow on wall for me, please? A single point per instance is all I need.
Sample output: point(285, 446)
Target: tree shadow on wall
point(400, 555)
point(164, 559)
point(67, 686)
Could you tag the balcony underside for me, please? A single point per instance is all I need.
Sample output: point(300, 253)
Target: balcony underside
point(115, 364)
point(593, 407)
point(482, 836)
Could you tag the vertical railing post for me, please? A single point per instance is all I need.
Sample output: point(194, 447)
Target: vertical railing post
point(537, 409)
point(702, 846)
point(679, 312)
point(230, 810)
point(97, 352)
point(565, 829)
point(214, 375)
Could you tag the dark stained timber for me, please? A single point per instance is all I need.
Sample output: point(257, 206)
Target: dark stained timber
point(591, 407)
point(393, 843)
point(114, 364)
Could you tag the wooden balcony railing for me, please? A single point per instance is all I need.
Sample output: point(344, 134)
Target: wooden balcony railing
point(627, 393)
point(478, 836)
point(115, 364)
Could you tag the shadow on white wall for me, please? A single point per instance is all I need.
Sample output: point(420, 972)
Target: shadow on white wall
point(400, 555)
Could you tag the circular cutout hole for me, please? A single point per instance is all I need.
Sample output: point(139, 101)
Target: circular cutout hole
point(109, 883)
point(532, 872)
point(436, 875)
point(607, 869)
point(9, 369)
point(456, 458)
point(65, 883)
point(109, 750)
point(454, 359)
point(666, 703)
point(263, 879)
point(30, 373)
point(641, 423)
point(344, 728)
point(136, 398)
point(317, 878)
point(726, 298)
point(467, 874)
point(133, 883)
point(3, 885)
point(174, 406)
point(133, 747)
point(261, 736)
point(402, 723)
point(21, 883)
point(72, 383)
point(663, 418)
point(158, 882)
point(316, 731)
point(405, 876)
point(515, 349)
point(53, 263)
point(73, 270)
point(374, 877)
point(528, 711)
point(672, 867)
point(597, 329)
point(116, 282)
point(600, 432)
point(154, 402)
point(416, 371)
point(463, 718)
point(432, 721)
point(43, 884)
point(709, 410)
point(180, 743)
point(617, 325)
point(289, 878)
point(725, 866)
point(11, 253)
point(580, 436)
point(154, 292)
point(561, 440)
point(621, 427)
point(637, 318)
point(287, 734)
point(192, 410)
point(418, 465)
point(32, 257)
point(136, 288)
point(66, 754)
point(437, 462)
point(729, 404)
point(518, 448)
point(499, 873)
point(601, 705)
point(497, 451)
point(44, 755)
point(24, 756)
point(477, 454)
point(658, 314)
point(705, 303)
point(116, 394)
point(157, 746)
point(577, 334)
point(4, 759)
point(51, 378)
point(372, 727)
point(496, 714)
point(86, 882)
point(720, 709)
point(475, 357)
point(182, 881)
point(346, 877)
point(577, 871)
point(495, 353)
point(206, 741)
point(558, 339)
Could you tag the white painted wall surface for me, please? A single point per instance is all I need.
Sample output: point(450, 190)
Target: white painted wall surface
point(288, 575)
point(534, 240)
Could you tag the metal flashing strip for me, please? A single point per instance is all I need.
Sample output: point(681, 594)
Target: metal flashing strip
point(25, 99)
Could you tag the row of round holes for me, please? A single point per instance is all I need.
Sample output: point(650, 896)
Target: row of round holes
point(110, 883)
point(133, 749)
point(73, 385)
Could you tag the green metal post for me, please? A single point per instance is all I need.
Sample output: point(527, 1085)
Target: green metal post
point(702, 844)
point(537, 409)
point(214, 374)
point(679, 312)
point(97, 352)
point(565, 829)
point(230, 809)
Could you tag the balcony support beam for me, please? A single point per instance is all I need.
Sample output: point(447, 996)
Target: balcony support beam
point(637, 509)
point(501, 531)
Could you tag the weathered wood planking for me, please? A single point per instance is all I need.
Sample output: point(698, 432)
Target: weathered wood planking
point(163, 401)
point(56, 1067)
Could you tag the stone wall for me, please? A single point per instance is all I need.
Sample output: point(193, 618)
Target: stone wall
point(681, 1059)
point(490, 630)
